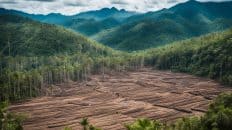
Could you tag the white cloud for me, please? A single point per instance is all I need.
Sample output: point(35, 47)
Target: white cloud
point(75, 6)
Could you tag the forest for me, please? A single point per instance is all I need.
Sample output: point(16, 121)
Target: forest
point(29, 68)
point(207, 56)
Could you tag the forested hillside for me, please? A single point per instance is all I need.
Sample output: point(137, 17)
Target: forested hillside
point(22, 36)
point(208, 56)
point(90, 27)
point(34, 55)
point(93, 22)
point(180, 22)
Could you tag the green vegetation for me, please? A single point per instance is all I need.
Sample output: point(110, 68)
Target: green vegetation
point(162, 27)
point(208, 56)
point(84, 123)
point(142, 35)
point(90, 27)
point(130, 31)
point(24, 37)
point(86, 126)
point(145, 124)
point(34, 56)
point(9, 121)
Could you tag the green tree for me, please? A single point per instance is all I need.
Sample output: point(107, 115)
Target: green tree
point(9, 121)
point(85, 123)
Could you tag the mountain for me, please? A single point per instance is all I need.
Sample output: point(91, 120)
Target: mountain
point(23, 36)
point(90, 27)
point(131, 31)
point(87, 23)
point(105, 13)
point(93, 22)
point(52, 18)
point(154, 29)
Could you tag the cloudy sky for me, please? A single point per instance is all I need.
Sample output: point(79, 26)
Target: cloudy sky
point(70, 7)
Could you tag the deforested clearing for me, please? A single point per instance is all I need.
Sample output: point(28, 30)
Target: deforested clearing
point(109, 101)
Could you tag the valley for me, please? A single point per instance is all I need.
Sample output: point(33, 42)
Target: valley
point(112, 67)
point(117, 98)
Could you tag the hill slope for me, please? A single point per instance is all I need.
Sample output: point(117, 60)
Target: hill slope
point(208, 56)
point(158, 28)
point(22, 36)
point(35, 55)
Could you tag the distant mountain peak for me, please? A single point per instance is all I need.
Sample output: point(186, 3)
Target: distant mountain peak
point(113, 8)
point(123, 10)
point(192, 1)
point(51, 14)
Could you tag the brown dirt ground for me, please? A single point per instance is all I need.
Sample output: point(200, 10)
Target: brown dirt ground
point(120, 98)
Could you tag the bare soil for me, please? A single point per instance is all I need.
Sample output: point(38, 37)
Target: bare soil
point(120, 98)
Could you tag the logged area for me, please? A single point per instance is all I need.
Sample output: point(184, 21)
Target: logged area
point(112, 100)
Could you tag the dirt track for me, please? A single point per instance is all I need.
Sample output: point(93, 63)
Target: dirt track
point(120, 99)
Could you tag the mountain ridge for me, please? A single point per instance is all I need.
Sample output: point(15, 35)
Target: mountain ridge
point(98, 20)
point(185, 20)
point(131, 31)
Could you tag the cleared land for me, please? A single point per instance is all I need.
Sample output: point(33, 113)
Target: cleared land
point(120, 98)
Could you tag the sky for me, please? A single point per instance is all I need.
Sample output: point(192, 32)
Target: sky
point(70, 7)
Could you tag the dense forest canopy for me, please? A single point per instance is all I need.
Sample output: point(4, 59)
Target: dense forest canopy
point(208, 55)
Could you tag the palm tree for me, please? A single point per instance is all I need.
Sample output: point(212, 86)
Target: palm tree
point(84, 122)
